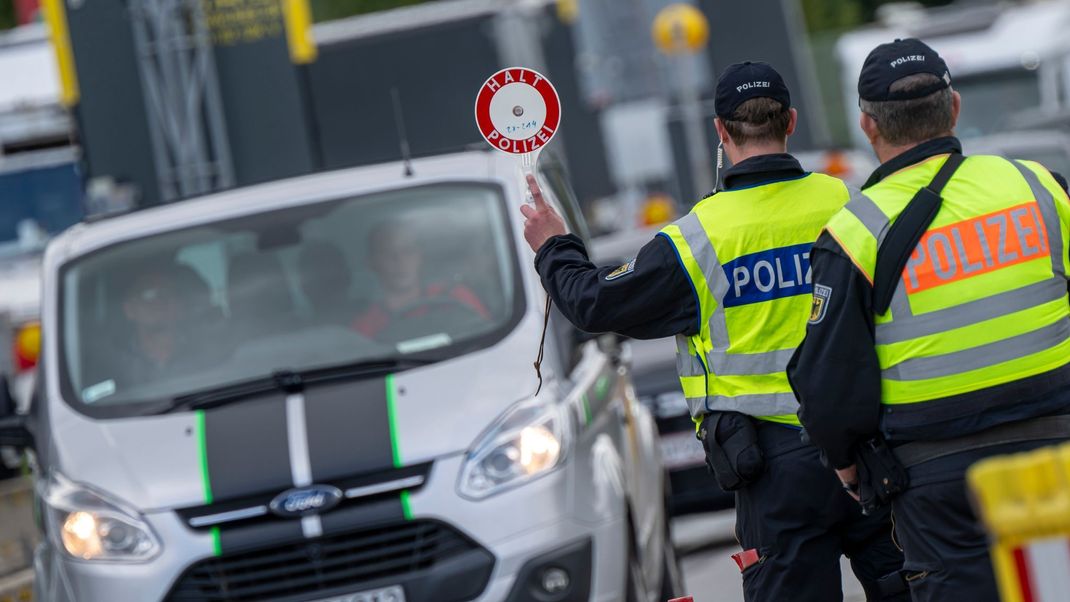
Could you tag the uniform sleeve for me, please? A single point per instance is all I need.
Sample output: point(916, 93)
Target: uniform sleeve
point(1064, 211)
point(1061, 181)
point(835, 372)
point(647, 298)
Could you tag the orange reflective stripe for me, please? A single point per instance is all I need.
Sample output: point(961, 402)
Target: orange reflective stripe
point(976, 246)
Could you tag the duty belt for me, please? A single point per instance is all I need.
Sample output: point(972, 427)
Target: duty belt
point(1034, 429)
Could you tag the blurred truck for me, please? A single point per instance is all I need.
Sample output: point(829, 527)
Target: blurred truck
point(1009, 61)
point(1049, 148)
point(40, 195)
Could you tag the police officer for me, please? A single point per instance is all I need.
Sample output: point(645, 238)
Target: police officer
point(731, 281)
point(971, 356)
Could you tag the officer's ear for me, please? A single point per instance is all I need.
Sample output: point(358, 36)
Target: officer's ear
point(792, 121)
point(722, 132)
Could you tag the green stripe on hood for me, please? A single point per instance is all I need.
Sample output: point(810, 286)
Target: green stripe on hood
point(392, 415)
point(202, 451)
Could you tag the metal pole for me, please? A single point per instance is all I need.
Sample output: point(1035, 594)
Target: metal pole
point(694, 128)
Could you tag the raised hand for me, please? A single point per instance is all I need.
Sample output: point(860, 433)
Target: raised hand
point(541, 221)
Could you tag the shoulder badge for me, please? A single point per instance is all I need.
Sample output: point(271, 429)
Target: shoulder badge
point(820, 304)
point(622, 271)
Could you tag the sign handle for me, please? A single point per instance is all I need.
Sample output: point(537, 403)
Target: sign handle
point(527, 168)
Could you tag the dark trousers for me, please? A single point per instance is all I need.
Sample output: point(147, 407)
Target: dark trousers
point(801, 521)
point(947, 554)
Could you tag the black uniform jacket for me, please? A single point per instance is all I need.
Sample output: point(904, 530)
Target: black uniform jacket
point(836, 375)
point(652, 297)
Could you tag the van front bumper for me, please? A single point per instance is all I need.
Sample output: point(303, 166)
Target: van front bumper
point(526, 544)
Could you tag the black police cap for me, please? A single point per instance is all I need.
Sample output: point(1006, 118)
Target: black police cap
point(743, 81)
point(889, 63)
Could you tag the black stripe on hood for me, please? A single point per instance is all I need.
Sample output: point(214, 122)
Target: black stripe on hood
point(247, 448)
point(348, 429)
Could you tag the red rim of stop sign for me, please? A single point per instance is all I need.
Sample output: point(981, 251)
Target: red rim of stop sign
point(545, 89)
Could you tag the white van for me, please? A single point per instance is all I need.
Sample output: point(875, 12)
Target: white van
point(322, 389)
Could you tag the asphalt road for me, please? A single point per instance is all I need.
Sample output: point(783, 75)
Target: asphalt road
point(710, 574)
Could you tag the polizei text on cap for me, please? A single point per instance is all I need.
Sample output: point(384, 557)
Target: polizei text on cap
point(913, 58)
point(750, 85)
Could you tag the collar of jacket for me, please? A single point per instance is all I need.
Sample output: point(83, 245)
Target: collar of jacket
point(762, 169)
point(930, 148)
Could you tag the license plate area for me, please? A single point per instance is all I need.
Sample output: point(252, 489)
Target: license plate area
point(681, 450)
point(394, 593)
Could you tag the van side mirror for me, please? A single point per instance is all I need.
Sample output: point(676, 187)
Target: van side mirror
point(608, 342)
point(611, 342)
point(13, 431)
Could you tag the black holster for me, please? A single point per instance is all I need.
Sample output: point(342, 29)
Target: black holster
point(881, 476)
point(733, 454)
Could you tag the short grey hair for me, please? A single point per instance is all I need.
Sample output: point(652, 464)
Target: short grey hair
point(902, 122)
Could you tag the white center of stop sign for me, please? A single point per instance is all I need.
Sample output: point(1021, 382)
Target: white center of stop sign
point(518, 111)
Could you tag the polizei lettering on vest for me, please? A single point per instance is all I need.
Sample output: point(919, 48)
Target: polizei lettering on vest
point(767, 275)
point(976, 246)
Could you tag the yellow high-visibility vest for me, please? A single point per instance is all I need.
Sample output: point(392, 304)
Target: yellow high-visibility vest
point(747, 255)
point(983, 299)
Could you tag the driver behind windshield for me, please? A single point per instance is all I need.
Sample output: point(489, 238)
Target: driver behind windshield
point(158, 306)
point(394, 255)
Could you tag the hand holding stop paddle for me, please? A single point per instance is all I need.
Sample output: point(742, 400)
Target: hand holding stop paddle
point(541, 222)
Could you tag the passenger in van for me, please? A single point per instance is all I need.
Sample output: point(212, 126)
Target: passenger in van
point(395, 256)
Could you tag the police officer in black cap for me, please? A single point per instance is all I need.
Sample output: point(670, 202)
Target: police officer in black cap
point(940, 327)
point(729, 280)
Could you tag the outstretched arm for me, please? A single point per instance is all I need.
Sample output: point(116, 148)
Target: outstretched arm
point(647, 298)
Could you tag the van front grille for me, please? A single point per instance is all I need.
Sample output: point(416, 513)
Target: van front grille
point(329, 564)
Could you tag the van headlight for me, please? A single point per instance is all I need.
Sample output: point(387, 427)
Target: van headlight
point(528, 440)
point(89, 526)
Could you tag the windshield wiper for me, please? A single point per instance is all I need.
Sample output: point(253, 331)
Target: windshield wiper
point(288, 381)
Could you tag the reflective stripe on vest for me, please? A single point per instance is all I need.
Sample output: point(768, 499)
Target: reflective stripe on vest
point(720, 361)
point(717, 373)
point(1011, 333)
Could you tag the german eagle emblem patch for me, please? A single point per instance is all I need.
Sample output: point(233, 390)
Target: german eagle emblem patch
point(820, 304)
point(622, 271)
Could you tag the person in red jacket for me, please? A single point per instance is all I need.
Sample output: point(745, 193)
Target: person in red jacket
point(395, 256)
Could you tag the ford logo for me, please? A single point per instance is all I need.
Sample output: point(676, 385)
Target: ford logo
point(306, 500)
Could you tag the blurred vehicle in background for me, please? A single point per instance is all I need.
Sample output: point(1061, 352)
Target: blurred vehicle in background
point(322, 387)
point(1008, 60)
point(1049, 148)
point(40, 196)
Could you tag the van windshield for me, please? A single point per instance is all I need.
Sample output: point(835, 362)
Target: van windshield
point(427, 272)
